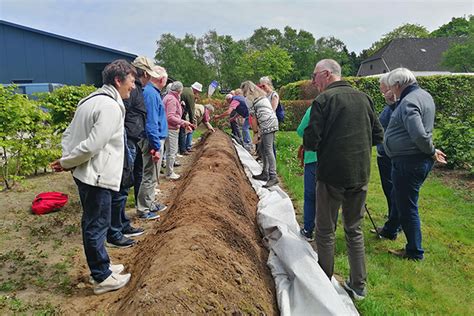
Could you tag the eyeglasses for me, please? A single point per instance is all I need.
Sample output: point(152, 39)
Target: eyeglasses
point(314, 74)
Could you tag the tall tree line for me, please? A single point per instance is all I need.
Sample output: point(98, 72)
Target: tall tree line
point(287, 56)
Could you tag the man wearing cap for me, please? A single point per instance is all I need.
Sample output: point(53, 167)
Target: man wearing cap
point(156, 131)
point(238, 112)
point(188, 96)
point(120, 230)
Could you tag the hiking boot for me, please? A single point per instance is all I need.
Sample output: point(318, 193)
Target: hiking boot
point(114, 282)
point(355, 294)
point(271, 182)
point(115, 268)
point(382, 233)
point(132, 231)
point(401, 253)
point(261, 177)
point(173, 176)
point(158, 207)
point(149, 215)
point(123, 242)
point(308, 236)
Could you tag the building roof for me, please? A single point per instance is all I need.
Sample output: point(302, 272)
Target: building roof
point(66, 38)
point(416, 54)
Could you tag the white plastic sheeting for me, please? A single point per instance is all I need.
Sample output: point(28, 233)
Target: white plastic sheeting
point(302, 287)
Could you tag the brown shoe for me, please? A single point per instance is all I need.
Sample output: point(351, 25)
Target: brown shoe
point(401, 253)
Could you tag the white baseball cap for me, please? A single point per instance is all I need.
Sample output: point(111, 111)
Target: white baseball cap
point(197, 86)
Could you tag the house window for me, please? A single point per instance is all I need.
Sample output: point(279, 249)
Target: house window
point(384, 71)
point(371, 67)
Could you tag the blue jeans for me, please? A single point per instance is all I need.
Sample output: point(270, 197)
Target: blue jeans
point(96, 206)
point(246, 132)
point(309, 208)
point(408, 175)
point(119, 220)
point(385, 170)
point(189, 141)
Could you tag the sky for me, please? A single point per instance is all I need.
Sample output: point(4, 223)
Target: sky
point(134, 26)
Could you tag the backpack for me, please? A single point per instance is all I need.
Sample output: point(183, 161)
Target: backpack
point(47, 202)
point(279, 111)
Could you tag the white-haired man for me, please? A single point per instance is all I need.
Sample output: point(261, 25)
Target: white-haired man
point(156, 130)
point(409, 144)
point(342, 129)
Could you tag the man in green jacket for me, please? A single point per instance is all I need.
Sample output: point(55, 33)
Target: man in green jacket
point(189, 96)
point(342, 129)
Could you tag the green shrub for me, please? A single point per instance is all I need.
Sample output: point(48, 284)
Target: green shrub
point(300, 90)
point(27, 140)
point(294, 112)
point(62, 103)
point(456, 140)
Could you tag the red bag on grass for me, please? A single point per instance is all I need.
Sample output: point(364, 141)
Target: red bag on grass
point(48, 202)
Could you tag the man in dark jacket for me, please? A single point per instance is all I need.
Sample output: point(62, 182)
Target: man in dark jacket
point(409, 144)
point(188, 99)
point(121, 229)
point(342, 129)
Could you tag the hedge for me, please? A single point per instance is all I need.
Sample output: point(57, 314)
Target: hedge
point(453, 96)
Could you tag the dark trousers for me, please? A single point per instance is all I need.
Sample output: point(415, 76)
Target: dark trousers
point(385, 170)
point(137, 167)
point(96, 206)
point(309, 207)
point(328, 201)
point(182, 140)
point(118, 220)
point(408, 175)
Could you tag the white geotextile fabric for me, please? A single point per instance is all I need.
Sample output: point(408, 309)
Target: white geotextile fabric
point(302, 287)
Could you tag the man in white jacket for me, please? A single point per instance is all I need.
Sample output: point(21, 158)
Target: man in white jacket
point(93, 149)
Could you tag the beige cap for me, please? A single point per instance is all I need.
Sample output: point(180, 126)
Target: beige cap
point(145, 64)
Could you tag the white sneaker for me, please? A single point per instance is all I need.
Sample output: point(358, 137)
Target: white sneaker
point(173, 176)
point(112, 283)
point(115, 268)
point(179, 155)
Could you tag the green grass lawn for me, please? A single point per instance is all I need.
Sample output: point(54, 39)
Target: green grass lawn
point(442, 284)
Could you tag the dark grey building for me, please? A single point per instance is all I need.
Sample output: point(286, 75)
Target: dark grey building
point(28, 55)
point(420, 55)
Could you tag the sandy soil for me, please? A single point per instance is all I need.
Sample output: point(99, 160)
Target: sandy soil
point(204, 256)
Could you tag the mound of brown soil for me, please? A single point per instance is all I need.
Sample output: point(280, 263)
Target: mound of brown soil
point(206, 256)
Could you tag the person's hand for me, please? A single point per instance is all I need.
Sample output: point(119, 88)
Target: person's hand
point(155, 155)
point(440, 157)
point(212, 129)
point(56, 166)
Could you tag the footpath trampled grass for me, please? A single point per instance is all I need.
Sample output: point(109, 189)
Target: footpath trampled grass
point(442, 284)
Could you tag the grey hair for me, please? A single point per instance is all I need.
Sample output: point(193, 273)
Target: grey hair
point(402, 77)
point(176, 86)
point(210, 107)
point(384, 79)
point(251, 91)
point(331, 65)
point(266, 80)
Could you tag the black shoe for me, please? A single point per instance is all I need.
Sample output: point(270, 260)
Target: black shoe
point(403, 254)
point(308, 236)
point(355, 294)
point(261, 177)
point(271, 182)
point(177, 164)
point(380, 231)
point(124, 242)
point(133, 232)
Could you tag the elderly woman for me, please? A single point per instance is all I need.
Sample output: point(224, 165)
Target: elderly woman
point(174, 111)
point(408, 142)
point(265, 123)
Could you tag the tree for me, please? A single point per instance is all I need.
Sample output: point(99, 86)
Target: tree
point(301, 48)
point(406, 30)
point(456, 27)
point(460, 56)
point(273, 61)
point(263, 38)
point(334, 48)
point(183, 59)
